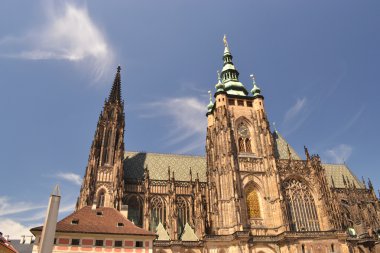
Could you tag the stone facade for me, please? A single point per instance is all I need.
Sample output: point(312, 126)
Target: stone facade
point(251, 193)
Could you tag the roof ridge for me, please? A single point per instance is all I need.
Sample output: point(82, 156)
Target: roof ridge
point(166, 154)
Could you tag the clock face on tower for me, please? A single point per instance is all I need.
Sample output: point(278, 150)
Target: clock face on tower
point(243, 131)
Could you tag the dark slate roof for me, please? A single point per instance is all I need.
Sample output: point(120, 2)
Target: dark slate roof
point(22, 247)
point(90, 222)
point(158, 165)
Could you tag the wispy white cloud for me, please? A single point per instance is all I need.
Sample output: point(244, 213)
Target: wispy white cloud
point(187, 115)
point(9, 208)
point(40, 215)
point(71, 177)
point(13, 228)
point(69, 34)
point(295, 116)
point(295, 110)
point(339, 154)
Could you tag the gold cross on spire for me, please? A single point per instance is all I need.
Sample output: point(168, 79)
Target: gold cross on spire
point(225, 41)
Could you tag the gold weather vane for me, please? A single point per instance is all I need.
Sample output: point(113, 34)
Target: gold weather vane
point(225, 40)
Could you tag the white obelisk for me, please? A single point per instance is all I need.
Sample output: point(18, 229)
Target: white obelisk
point(48, 231)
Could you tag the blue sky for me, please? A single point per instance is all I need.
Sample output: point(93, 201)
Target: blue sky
point(317, 63)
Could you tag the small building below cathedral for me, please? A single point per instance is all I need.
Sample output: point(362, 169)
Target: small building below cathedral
point(92, 229)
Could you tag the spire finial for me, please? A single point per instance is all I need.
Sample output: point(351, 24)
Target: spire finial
point(219, 86)
point(255, 90)
point(252, 76)
point(209, 93)
point(225, 40)
point(115, 94)
point(274, 126)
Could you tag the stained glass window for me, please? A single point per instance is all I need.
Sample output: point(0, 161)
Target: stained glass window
point(253, 204)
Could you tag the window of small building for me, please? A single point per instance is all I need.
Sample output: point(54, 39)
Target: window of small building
point(118, 243)
point(249, 103)
point(99, 243)
point(240, 103)
point(231, 101)
point(75, 241)
point(139, 244)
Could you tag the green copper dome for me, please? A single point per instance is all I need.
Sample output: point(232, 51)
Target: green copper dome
point(256, 91)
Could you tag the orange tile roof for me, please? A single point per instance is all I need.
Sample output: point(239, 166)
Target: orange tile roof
point(4, 243)
point(90, 222)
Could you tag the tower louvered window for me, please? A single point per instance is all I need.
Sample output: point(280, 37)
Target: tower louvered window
point(301, 210)
point(101, 198)
point(135, 210)
point(158, 213)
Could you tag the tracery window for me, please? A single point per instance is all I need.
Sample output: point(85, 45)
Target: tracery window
point(183, 215)
point(253, 203)
point(157, 213)
point(244, 140)
point(135, 210)
point(301, 210)
point(101, 198)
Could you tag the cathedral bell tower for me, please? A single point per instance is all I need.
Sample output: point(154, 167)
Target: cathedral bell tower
point(103, 182)
point(241, 171)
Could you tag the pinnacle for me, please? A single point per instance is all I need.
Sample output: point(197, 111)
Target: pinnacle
point(115, 94)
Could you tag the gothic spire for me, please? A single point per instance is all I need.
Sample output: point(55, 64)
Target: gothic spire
point(230, 76)
point(115, 94)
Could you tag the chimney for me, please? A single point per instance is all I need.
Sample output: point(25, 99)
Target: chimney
point(28, 239)
point(124, 211)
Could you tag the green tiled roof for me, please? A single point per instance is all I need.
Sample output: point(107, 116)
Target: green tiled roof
point(281, 148)
point(336, 171)
point(158, 165)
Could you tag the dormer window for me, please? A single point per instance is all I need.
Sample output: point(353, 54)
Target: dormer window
point(99, 213)
point(120, 224)
point(75, 222)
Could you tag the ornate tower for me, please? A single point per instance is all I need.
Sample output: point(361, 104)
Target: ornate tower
point(103, 182)
point(243, 190)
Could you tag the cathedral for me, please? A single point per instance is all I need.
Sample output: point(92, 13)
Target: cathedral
point(251, 192)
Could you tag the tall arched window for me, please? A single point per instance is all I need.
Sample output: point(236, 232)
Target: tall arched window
point(253, 203)
point(157, 213)
point(241, 145)
point(248, 145)
point(301, 210)
point(101, 198)
point(244, 139)
point(135, 210)
point(183, 215)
